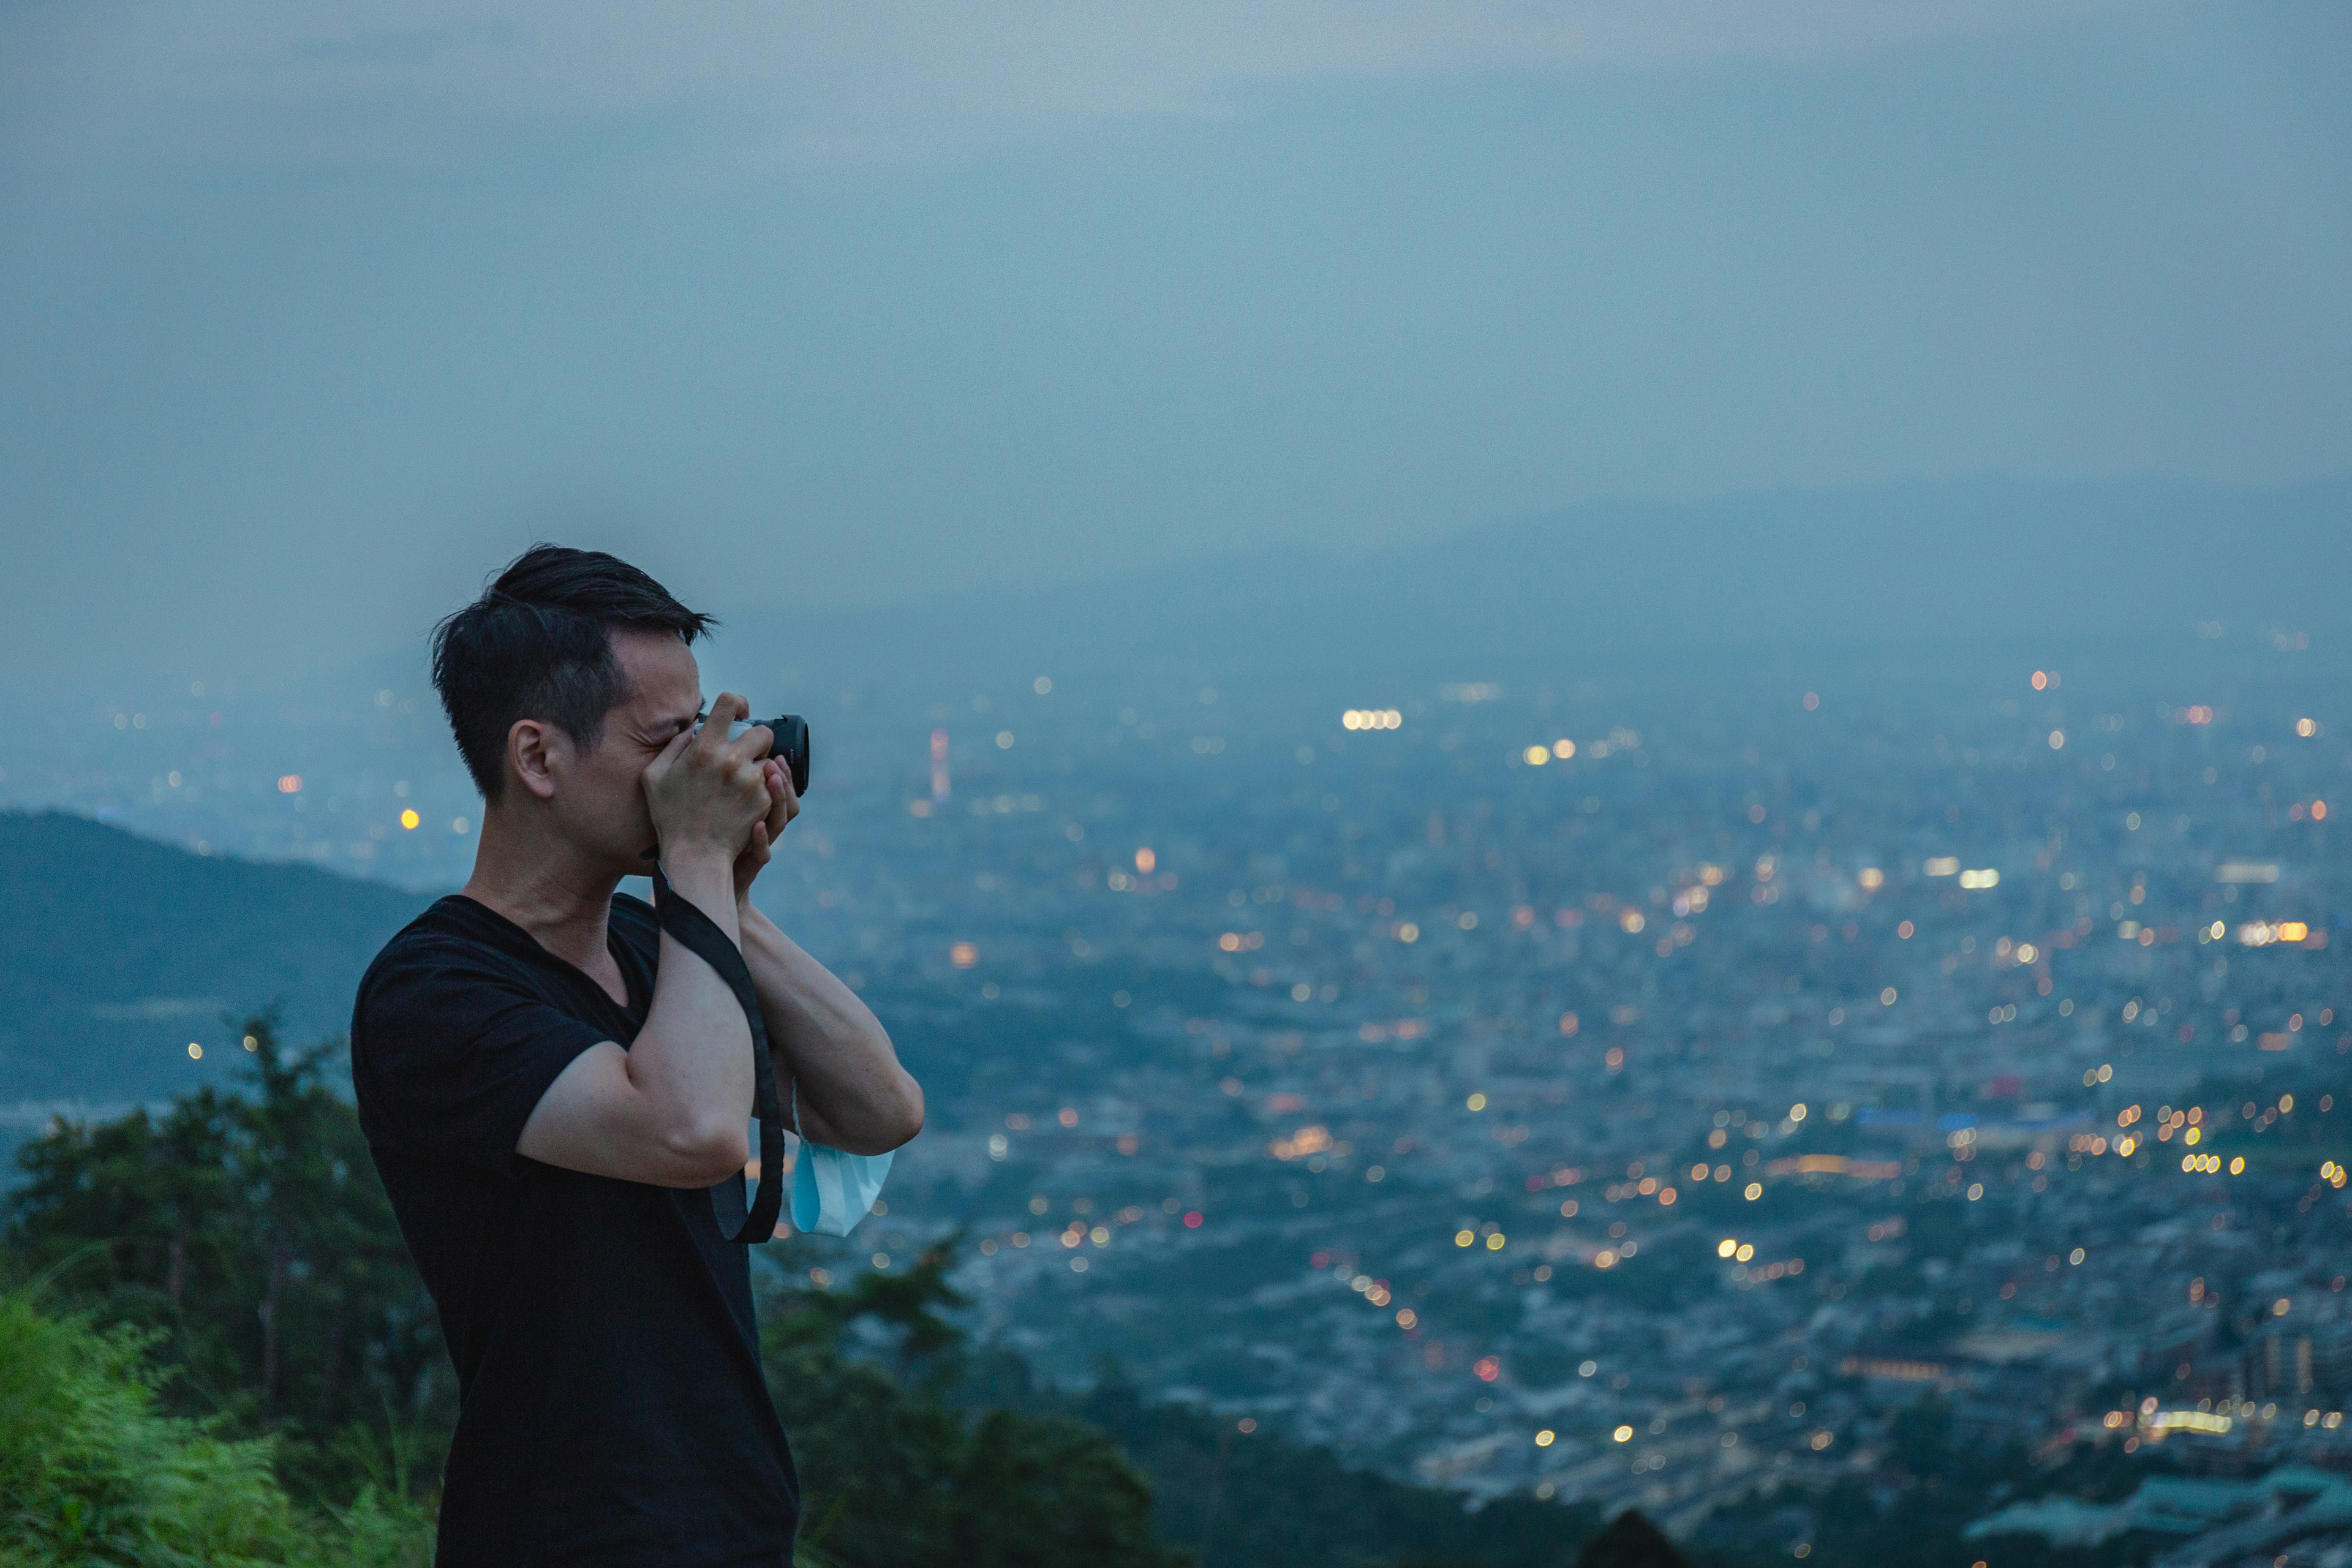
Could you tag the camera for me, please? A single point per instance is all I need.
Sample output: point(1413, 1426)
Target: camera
point(789, 744)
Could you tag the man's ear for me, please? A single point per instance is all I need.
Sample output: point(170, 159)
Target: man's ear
point(529, 744)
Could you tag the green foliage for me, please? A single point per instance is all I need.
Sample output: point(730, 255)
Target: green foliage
point(249, 1233)
point(93, 1472)
point(894, 1477)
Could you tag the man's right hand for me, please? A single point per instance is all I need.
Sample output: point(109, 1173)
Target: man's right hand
point(705, 792)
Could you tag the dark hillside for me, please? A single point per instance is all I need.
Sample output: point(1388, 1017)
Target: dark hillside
point(116, 953)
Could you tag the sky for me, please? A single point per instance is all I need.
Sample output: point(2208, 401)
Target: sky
point(311, 315)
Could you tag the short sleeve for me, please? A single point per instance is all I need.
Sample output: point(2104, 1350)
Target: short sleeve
point(451, 1054)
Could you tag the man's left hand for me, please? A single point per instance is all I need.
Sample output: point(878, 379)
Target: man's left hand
point(784, 804)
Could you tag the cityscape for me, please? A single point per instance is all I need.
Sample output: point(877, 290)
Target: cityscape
point(1628, 1089)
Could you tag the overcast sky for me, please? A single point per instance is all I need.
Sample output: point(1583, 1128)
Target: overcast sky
point(311, 314)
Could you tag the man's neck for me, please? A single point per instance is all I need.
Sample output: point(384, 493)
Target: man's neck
point(544, 887)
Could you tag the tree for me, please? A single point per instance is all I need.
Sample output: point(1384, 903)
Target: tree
point(249, 1232)
point(1630, 1541)
point(892, 1475)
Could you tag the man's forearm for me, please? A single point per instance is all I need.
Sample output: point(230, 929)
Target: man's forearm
point(831, 1051)
point(693, 1056)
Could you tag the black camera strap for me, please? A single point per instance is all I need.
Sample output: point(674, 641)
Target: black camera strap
point(700, 935)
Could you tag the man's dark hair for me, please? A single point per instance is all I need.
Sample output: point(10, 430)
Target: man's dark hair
point(537, 645)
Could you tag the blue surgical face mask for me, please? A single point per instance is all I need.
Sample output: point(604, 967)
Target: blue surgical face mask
point(833, 1191)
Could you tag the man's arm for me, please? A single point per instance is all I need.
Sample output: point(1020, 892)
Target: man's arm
point(673, 1109)
point(831, 1053)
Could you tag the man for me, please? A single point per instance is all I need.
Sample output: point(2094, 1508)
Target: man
point(557, 1093)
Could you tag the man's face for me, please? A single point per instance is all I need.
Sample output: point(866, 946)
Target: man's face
point(599, 799)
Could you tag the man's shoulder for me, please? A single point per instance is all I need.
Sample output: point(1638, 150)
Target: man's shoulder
point(448, 925)
point(454, 940)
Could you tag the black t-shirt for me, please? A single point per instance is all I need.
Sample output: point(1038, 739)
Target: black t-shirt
point(611, 1408)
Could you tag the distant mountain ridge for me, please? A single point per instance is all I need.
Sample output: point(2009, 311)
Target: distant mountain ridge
point(1847, 572)
point(117, 952)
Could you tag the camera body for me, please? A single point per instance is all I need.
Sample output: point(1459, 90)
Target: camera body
point(791, 747)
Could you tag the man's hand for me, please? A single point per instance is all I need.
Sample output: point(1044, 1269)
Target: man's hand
point(708, 794)
point(784, 804)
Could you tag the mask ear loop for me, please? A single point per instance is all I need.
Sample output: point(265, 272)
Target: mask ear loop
point(700, 935)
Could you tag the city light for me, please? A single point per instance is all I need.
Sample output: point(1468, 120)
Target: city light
point(1371, 718)
point(2186, 1421)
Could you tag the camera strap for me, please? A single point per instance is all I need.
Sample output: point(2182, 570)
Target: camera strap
point(700, 935)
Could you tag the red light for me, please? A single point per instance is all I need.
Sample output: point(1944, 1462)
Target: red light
point(290, 783)
point(1192, 1219)
point(2318, 811)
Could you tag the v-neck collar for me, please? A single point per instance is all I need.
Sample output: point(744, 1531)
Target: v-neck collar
point(640, 1000)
